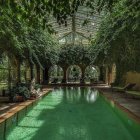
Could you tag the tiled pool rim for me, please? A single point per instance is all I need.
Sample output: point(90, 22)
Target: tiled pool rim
point(24, 107)
point(129, 119)
point(130, 114)
point(14, 114)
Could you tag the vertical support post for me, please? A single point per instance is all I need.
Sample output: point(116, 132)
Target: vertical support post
point(46, 75)
point(64, 80)
point(38, 74)
point(110, 74)
point(106, 75)
point(31, 71)
point(18, 71)
point(101, 77)
point(9, 75)
point(83, 74)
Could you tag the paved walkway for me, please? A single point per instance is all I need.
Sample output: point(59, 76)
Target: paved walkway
point(5, 105)
point(132, 104)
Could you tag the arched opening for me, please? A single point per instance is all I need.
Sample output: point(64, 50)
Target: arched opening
point(7, 73)
point(55, 74)
point(92, 74)
point(113, 73)
point(74, 74)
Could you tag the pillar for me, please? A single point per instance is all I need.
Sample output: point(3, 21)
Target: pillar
point(38, 74)
point(101, 77)
point(82, 80)
point(64, 80)
point(31, 72)
point(106, 75)
point(46, 75)
point(18, 71)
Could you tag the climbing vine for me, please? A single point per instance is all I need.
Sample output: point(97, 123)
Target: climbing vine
point(118, 38)
point(26, 33)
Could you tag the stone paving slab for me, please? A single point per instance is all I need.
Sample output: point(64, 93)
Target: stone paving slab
point(6, 106)
point(129, 103)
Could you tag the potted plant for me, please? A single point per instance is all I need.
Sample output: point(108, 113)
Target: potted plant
point(19, 93)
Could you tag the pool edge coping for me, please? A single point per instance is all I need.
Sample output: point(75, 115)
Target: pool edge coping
point(130, 114)
point(15, 109)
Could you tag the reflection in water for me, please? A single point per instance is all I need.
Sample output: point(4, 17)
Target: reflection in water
point(56, 97)
point(72, 94)
point(77, 94)
point(92, 96)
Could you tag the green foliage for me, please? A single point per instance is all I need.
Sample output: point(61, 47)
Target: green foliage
point(118, 35)
point(118, 39)
point(37, 12)
point(22, 25)
point(25, 33)
point(21, 91)
point(42, 48)
point(37, 86)
point(72, 55)
point(4, 75)
point(26, 42)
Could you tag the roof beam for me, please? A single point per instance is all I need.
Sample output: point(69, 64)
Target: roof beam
point(66, 34)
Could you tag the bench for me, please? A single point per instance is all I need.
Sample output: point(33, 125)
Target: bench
point(134, 94)
point(123, 89)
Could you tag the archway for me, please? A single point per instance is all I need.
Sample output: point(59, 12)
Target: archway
point(8, 72)
point(74, 74)
point(111, 74)
point(55, 74)
point(92, 74)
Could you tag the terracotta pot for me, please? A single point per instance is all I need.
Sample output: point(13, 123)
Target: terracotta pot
point(19, 98)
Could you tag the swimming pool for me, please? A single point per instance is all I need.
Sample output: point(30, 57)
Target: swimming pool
point(73, 114)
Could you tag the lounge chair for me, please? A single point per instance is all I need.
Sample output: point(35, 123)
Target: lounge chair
point(133, 94)
point(123, 89)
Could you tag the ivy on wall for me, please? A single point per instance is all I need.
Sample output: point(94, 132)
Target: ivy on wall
point(26, 34)
point(118, 38)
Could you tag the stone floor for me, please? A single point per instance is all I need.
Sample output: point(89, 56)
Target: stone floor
point(5, 105)
point(132, 104)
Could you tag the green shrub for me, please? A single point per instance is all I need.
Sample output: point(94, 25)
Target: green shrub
point(37, 86)
point(21, 91)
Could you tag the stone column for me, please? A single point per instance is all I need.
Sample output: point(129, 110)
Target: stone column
point(106, 75)
point(31, 71)
point(18, 71)
point(38, 74)
point(101, 77)
point(110, 74)
point(46, 75)
point(82, 80)
point(64, 80)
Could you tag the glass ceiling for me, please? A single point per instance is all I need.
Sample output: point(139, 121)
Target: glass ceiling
point(79, 29)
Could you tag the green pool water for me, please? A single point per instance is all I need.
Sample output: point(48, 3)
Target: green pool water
point(71, 114)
